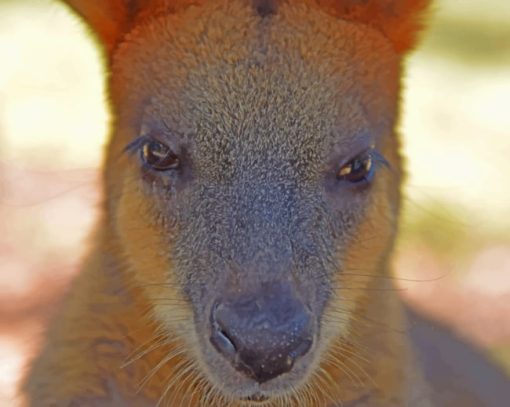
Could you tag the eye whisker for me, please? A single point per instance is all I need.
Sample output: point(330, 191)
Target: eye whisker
point(134, 146)
point(380, 160)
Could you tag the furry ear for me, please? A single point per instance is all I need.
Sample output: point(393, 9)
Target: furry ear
point(399, 20)
point(111, 19)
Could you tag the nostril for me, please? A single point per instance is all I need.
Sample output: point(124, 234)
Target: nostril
point(301, 349)
point(222, 342)
point(220, 338)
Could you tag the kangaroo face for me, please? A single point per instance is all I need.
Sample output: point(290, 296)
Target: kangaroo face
point(253, 170)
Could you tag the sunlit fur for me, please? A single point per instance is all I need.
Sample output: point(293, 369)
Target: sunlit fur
point(275, 94)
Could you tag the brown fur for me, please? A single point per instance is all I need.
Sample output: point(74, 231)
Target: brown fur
point(278, 92)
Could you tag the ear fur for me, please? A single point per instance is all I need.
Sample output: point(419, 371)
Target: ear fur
point(108, 19)
point(399, 20)
point(111, 19)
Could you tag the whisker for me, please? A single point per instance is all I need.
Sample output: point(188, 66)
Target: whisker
point(389, 277)
point(191, 372)
point(344, 351)
point(155, 369)
point(322, 375)
point(138, 353)
point(346, 316)
point(187, 365)
point(337, 362)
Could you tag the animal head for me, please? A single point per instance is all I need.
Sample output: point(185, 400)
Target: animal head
point(253, 168)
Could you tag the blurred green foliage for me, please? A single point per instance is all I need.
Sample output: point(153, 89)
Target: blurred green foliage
point(450, 231)
point(469, 40)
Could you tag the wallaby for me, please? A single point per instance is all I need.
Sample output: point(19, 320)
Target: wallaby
point(251, 201)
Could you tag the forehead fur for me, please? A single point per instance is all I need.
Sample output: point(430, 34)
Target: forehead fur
point(222, 73)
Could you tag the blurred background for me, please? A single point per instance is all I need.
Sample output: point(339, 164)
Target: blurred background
point(455, 240)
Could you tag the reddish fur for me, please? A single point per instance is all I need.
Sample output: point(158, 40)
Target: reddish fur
point(400, 21)
point(118, 317)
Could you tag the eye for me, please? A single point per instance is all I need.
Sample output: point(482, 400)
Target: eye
point(359, 169)
point(159, 156)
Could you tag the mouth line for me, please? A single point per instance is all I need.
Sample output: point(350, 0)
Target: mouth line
point(256, 398)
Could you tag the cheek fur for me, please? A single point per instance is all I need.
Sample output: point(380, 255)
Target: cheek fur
point(147, 248)
point(362, 260)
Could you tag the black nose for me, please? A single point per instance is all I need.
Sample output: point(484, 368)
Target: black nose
point(262, 334)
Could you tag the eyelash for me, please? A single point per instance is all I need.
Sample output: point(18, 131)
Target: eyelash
point(375, 161)
point(379, 160)
point(134, 147)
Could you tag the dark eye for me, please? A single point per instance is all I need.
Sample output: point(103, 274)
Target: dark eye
point(359, 169)
point(159, 156)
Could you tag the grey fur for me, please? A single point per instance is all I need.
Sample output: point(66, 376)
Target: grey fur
point(264, 133)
